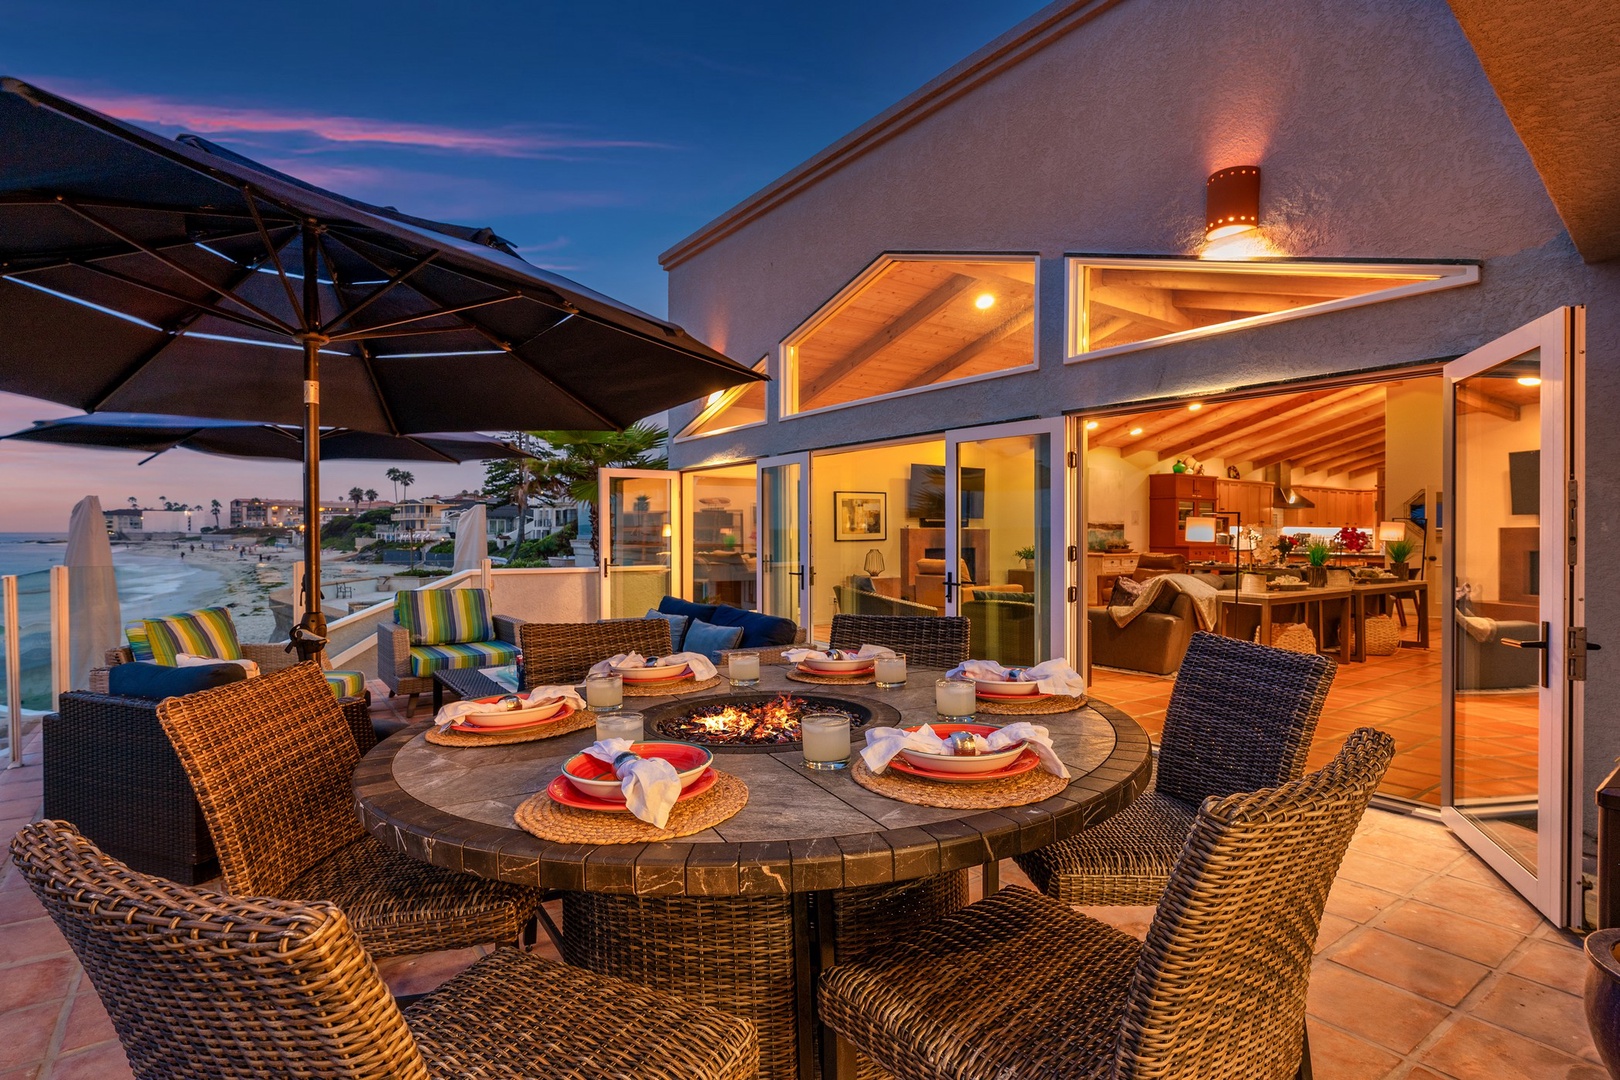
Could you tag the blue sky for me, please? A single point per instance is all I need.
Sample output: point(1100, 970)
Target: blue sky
point(591, 135)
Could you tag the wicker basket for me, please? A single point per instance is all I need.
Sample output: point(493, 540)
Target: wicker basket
point(1383, 636)
point(1295, 637)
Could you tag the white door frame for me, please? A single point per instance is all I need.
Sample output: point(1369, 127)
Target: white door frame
point(604, 517)
point(1059, 615)
point(806, 572)
point(1554, 888)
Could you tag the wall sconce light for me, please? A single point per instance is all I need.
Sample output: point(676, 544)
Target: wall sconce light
point(1232, 201)
point(874, 562)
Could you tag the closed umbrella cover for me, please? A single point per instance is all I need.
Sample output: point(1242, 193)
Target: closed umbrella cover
point(94, 621)
point(472, 539)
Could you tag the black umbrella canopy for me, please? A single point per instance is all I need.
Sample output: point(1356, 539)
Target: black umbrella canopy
point(143, 274)
point(154, 434)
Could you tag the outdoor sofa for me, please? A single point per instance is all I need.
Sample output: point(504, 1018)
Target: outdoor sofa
point(441, 630)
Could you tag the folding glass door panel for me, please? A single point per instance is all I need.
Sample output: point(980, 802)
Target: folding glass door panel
point(1005, 493)
point(721, 536)
point(1511, 681)
point(638, 510)
point(784, 537)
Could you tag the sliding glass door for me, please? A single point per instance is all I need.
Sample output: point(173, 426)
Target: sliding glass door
point(638, 510)
point(784, 536)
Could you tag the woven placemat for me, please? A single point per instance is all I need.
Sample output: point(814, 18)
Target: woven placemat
point(832, 680)
point(670, 687)
point(578, 721)
point(569, 825)
point(1035, 786)
point(1055, 704)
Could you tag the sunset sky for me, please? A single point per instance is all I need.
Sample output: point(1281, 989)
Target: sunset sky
point(591, 135)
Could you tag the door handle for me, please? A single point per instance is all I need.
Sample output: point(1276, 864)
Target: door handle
point(1513, 643)
point(796, 573)
point(950, 586)
point(1546, 656)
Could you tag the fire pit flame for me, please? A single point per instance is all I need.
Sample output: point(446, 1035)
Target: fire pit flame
point(761, 723)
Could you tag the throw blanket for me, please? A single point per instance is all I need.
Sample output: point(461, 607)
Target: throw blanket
point(1479, 627)
point(1202, 594)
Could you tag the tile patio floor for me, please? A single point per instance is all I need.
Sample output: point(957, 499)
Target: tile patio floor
point(1428, 967)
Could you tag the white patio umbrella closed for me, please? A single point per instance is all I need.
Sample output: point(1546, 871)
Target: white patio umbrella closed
point(472, 539)
point(94, 622)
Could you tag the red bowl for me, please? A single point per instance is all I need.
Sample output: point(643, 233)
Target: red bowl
point(595, 777)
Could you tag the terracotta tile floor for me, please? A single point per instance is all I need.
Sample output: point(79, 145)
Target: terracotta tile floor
point(1427, 967)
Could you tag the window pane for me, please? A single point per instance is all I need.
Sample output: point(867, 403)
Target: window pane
point(727, 409)
point(918, 322)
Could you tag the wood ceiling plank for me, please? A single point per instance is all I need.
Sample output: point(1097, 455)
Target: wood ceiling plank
point(1318, 285)
point(1275, 409)
point(896, 328)
point(1328, 444)
point(1470, 399)
point(1247, 303)
point(1300, 435)
point(1355, 458)
point(970, 352)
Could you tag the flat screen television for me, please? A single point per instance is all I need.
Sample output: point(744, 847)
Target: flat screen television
point(925, 494)
point(1524, 481)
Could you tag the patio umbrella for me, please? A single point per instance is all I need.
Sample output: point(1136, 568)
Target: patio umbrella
point(145, 274)
point(156, 434)
point(94, 617)
point(472, 540)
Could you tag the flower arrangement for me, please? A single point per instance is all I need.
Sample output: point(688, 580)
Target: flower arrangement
point(1286, 545)
point(1352, 540)
point(1265, 548)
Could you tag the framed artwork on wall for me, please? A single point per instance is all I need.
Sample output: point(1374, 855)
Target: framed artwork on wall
point(860, 515)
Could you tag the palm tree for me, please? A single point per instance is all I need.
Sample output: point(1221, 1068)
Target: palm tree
point(393, 475)
point(570, 461)
point(215, 507)
point(134, 503)
point(371, 496)
point(405, 481)
point(355, 495)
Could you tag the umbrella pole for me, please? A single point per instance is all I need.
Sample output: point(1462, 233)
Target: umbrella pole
point(310, 637)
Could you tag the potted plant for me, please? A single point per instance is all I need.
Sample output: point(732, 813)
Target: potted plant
point(1026, 555)
point(1399, 552)
point(1317, 553)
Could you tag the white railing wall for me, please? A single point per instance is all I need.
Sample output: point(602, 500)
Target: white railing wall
point(61, 631)
point(11, 646)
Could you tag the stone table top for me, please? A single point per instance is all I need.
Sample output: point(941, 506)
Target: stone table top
point(801, 831)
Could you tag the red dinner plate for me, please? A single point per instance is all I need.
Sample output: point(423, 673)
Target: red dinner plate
point(1013, 697)
point(685, 673)
point(561, 791)
point(466, 726)
point(1020, 765)
point(853, 673)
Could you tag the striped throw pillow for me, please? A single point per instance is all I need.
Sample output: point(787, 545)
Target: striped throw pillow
point(204, 632)
point(140, 648)
point(445, 616)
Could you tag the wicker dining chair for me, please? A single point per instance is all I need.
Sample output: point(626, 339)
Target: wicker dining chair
point(562, 653)
point(1241, 717)
point(270, 760)
point(1019, 985)
point(928, 642)
point(201, 985)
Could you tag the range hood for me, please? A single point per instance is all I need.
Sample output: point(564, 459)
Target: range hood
point(1283, 495)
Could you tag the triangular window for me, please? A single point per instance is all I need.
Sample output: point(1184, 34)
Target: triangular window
point(727, 410)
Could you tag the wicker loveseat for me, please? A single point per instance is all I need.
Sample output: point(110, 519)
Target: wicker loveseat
point(439, 630)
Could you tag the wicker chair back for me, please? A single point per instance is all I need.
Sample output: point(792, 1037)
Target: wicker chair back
point(270, 761)
point(928, 642)
point(564, 652)
point(1219, 989)
point(202, 985)
point(1241, 718)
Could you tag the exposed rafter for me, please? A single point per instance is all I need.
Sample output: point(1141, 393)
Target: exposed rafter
point(892, 331)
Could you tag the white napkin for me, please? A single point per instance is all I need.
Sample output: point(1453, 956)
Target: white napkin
point(538, 696)
point(865, 652)
point(186, 659)
point(883, 744)
point(650, 785)
point(702, 667)
point(1053, 676)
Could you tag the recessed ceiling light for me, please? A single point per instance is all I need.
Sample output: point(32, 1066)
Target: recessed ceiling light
point(1195, 406)
point(1529, 380)
point(1135, 431)
point(985, 300)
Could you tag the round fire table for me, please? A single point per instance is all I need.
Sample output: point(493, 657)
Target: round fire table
point(815, 870)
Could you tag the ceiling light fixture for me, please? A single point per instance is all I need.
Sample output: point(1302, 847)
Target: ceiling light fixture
point(1529, 380)
point(984, 300)
point(1135, 431)
point(1195, 406)
point(1232, 201)
point(1092, 425)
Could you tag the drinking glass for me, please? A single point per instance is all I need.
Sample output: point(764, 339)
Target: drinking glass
point(826, 740)
point(955, 699)
point(619, 725)
point(604, 693)
point(744, 669)
point(890, 671)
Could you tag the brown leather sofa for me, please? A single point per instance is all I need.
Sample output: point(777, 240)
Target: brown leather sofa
point(1154, 642)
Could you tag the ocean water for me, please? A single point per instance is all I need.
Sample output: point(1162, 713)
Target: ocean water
point(148, 584)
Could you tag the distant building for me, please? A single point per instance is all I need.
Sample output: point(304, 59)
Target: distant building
point(280, 513)
point(122, 523)
point(417, 519)
point(542, 520)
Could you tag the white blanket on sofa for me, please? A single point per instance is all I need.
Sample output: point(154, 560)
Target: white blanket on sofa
point(1203, 595)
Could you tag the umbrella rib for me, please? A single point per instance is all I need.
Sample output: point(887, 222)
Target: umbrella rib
point(381, 329)
point(433, 450)
point(159, 290)
point(383, 290)
point(506, 347)
point(90, 255)
point(179, 268)
point(365, 359)
point(275, 254)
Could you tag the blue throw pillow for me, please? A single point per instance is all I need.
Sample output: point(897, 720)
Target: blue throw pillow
point(674, 605)
point(156, 682)
point(758, 630)
point(677, 628)
point(709, 639)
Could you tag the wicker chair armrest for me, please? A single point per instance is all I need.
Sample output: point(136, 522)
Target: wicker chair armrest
point(358, 715)
point(100, 680)
point(393, 648)
point(507, 628)
point(768, 654)
point(270, 657)
point(120, 655)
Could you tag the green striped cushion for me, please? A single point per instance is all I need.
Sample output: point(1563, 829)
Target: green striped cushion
point(346, 683)
point(204, 632)
point(426, 659)
point(139, 647)
point(445, 616)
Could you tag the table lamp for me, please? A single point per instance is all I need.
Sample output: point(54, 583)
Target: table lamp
point(874, 562)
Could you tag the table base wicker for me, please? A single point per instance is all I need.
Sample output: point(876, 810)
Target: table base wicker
point(752, 956)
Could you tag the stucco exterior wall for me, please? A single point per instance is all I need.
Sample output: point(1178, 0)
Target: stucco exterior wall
point(1379, 137)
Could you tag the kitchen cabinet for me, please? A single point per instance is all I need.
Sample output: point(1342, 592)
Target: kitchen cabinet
point(1335, 508)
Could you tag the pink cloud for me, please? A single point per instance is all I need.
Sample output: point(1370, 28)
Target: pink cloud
point(222, 119)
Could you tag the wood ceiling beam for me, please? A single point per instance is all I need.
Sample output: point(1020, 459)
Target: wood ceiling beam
point(1020, 322)
point(1251, 302)
point(1344, 461)
point(1474, 400)
point(1300, 437)
point(1285, 408)
point(1141, 305)
point(1317, 285)
point(1110, 428)
point(1327, 446)
point(892, 331)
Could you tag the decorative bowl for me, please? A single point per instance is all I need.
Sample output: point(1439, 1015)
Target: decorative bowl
point(655, 673)
point(1006, 688)
point(596, 778)
point(954, 763)
point(512, 717)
